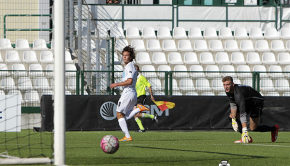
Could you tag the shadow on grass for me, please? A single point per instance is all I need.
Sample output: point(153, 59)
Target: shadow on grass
point(183, 150)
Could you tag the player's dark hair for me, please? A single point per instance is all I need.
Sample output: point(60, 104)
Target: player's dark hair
point(228, 78)
point(130, 50)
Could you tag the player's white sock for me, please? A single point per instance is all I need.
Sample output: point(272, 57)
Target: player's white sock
point(135, 111)
point(124, 128)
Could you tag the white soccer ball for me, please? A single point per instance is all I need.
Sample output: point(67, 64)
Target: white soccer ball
point(109, 144)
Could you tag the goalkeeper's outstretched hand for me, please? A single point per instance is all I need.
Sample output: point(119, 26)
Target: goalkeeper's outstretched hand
point(235, 124)
point(245, 136)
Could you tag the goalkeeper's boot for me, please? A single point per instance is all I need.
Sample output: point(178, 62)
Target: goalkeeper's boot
point(274, 133)
point(240, 141)
point(141, 131)
point(124, 139)
point(142, 107)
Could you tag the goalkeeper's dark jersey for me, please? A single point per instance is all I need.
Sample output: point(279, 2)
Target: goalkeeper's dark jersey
point(245, 97)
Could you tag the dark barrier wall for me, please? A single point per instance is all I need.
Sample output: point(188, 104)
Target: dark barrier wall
point(190, 113)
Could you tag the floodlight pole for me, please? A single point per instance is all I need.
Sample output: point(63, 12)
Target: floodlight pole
point(59, 73)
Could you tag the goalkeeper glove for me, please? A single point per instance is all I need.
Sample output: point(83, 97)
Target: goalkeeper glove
point(235, 124)
point(245, 136)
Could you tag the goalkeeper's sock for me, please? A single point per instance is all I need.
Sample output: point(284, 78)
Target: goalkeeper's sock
point(245, 129)
point(139, 123)
point(264, 128)
point(144, 115)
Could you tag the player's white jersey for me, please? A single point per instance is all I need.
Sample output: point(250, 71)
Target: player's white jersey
point(130, 72)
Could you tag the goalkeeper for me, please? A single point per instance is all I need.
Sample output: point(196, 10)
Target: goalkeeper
point(141, 85)
point(246, 102)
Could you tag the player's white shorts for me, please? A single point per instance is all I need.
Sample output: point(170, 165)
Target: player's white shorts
point(127, 102)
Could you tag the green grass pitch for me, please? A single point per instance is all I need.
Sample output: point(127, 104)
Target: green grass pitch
point(199, 148)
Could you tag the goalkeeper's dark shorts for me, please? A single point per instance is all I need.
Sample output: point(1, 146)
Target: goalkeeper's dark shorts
point(141, 99)
point(255, 109)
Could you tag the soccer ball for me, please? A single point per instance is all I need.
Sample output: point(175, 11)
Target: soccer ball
point(109, 144)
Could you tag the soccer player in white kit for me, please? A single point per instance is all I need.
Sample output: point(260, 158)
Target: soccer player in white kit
point(126, 105)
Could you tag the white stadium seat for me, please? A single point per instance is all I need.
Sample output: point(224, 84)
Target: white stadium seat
point(216, 45)
point(41, 83)
point(180, 71)
point(143, 58)
point(261, 69)
point(207, 94)
point(228, 70)
point(287, 69)
point(31, 97)
point(191, 93)
point(271, 33)
point(190, 58)
point(266, 85)
point(272, 94)
point(49, 70)
point(39, 44)
point(222, 58)
point(217, 85)
point(231, 45)
point(174, 58)
point(138, 45)
point(277, 45)
point(240, 33)
point(262, 45)
point(202, 84)
point(12, 56)
point(5, 44)
point(184, 45)
point(117, 32)
point(1, 59)
point(175, 85)
point(102, 32)
point(24, 83)
point(186, 84)
point(246, 45)
point(132, 33)
point(29, 57)
point(159, 58)
point(22, 44)
point(120, 44)
point(248, 81)
point(149, 68)
point(18, 70)
point(282, 85)
point(195, 33)
point(285, 33)
point(148, 33)
point(46, 57)
point(283, 58)
point(268, 58)
point(70, 70)
point(164, 33)
point(196, 71)
point(68, 58)
point(35, 70)
point(179, 33)
point(15, 92)
point(161, 69)
point(71, 84)
point(3, 70)
point(7, 83)
point(200, 45)
point(253, 58)
point(206, 58)
point(169, 45)
point(275, 71)
point(288, 45)
point(210, 33)
point(156, 84)
point(244, 71)
point(225, 33)
point(153, 45)
point(237, 58)
point(212, 71)
point(256, 33)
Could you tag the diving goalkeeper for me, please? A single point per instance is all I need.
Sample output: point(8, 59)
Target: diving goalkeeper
point(246, 102)
point(141, 85)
